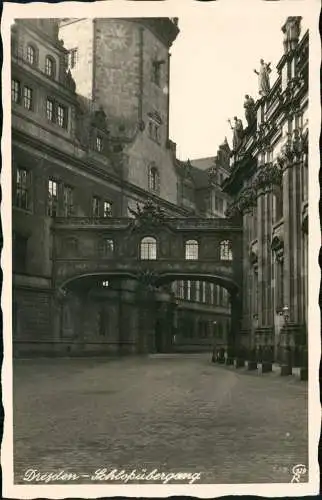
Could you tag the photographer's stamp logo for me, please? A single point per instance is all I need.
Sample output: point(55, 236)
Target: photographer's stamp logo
point(298, 471)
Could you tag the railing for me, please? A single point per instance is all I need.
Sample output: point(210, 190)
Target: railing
point(112, 222)
point(178, 223)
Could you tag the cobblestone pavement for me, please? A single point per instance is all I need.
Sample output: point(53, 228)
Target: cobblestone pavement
point(172, 413)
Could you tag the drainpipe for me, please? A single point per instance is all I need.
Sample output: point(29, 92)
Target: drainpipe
point(141, 79)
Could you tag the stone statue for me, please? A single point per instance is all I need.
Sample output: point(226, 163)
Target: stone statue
point(238, 132)
point(263, 77)
point(292, 31)
point(250, 113)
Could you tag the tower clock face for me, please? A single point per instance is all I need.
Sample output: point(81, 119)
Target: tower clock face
point(120, 36)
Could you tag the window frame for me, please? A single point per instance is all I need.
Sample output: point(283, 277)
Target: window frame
point(22, 189)
point(107, 213)
point(99, 143)
point(60, 120)
point(96, 206)
point(156, 72)
point(154, 179)
point(191, 250)
point(109, 247)
point(52, 102)
point(63, 117)
point(148, 248)
point(72, 58)
point(28, 98)
point(16, 92)
point(53, 202)
point(68, 201)
point(31, 47)
point(225, 251)
point(51, 60)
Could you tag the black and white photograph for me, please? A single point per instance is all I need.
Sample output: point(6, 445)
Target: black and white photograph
point(160, 275)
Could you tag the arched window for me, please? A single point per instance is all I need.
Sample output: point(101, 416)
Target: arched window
point(225, 250)
point(148, 248)
point(191, 250)
point(50, 67)
point(154, 179)
point(31, 54)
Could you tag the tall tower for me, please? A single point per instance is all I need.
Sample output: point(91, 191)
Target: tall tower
point(123, 65)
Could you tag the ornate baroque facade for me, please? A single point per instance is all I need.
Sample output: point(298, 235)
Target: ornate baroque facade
point(269, 186)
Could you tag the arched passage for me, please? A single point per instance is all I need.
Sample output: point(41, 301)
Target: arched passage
point(145, 304)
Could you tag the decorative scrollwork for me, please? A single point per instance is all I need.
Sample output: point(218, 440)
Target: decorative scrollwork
point(268, 175)
point(277, 247)
point(147, 279)
point(149, 216)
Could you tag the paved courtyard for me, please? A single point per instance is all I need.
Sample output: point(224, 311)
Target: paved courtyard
point(175, 413)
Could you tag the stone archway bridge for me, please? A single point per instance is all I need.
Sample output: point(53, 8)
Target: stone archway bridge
point(85, 246)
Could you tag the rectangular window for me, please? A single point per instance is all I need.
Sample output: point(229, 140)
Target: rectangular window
point(27, 98)
point(154, 131)
point(15, 91)
point(61, 116)
point(107, 209)
point(52, 208)
point(108, 247)
point(72, 58)
point(95, 206)
point(197, 294)
point(68, 201)
point(19, 253)
point(99, 143)
point(50, 110)
point(22, 188)
point(156, 72)
point(181, 290)
point(188, 290)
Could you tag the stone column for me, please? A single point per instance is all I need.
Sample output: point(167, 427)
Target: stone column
point(147, 321)
point(260, 233)
point(233, 339)
point(293, 329)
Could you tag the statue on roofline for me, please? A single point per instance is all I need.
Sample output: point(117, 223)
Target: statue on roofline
point(263, 78)
point(238, 132)
point(250, 113)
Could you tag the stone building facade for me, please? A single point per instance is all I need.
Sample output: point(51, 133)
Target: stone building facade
point(269, 186)
point(90, 141)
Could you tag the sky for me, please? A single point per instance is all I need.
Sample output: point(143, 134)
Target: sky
point(212, 65)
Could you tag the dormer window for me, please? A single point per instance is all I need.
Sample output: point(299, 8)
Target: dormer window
point(50, 66)
point(72, 58)
point(31, 55)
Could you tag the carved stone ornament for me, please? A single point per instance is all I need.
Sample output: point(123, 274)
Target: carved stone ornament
point(277, 247)
point(295, 147)
point(147, 279)
point(247, 199)
point(149, 216)
point(267, 176)
point(253, 258)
